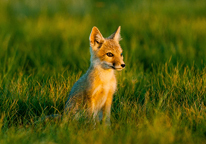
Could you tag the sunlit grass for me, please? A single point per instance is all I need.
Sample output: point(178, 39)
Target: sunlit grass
point(44, 49)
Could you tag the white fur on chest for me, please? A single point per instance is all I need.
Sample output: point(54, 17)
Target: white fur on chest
point(106, 75)
point(108, 83)
point(103, 91)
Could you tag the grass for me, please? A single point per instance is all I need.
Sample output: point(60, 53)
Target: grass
point(44, 49)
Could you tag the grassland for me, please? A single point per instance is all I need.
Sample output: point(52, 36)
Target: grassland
point(44, 49)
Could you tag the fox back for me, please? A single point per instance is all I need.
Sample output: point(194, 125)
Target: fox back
point(93, 92)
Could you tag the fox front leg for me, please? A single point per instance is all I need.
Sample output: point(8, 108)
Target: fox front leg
point(107, 109)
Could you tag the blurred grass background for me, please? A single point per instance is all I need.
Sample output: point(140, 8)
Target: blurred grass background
point(44, 49)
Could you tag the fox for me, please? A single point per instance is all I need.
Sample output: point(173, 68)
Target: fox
point(93, 92)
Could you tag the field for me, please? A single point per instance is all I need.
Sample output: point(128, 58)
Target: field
point(44, 49)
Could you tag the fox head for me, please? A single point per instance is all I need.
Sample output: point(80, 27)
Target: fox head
point(106, 52)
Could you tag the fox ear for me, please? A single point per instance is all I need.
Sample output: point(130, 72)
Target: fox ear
point(96, 39)
point(116, 35)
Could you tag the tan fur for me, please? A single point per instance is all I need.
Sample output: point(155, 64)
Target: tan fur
point(94, 90)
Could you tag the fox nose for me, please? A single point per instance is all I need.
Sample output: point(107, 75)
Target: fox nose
point(123, 65)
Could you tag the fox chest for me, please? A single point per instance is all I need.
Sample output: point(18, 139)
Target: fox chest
point(101, 91)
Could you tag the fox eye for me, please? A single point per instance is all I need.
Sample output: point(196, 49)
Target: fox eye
point(109, 54)
point(121, 54)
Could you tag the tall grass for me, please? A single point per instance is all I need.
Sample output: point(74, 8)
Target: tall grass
point(44, 49)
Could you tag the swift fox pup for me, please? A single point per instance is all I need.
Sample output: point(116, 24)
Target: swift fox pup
point(93, 92)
